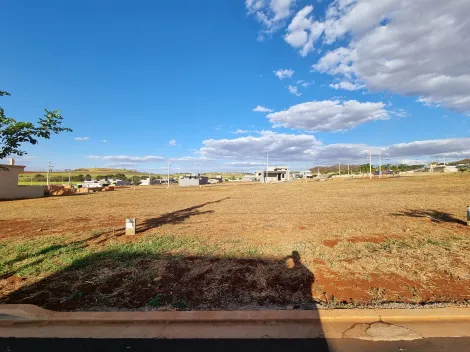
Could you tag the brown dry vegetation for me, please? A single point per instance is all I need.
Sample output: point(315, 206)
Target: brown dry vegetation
point(401, 239)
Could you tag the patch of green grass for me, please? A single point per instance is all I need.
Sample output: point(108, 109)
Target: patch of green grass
point(50, 254)
point(157, 301)
point(181, 303)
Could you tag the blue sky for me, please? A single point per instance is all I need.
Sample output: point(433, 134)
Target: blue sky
point(142, 82)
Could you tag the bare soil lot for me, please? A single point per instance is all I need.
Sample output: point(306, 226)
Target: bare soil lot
point(232, 246)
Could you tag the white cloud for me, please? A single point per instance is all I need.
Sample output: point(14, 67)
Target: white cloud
point(303, 31)
point(194, 158)
point(270, 13)
point(283, 73)
point(244, 163)
point(328, 115)
point(82, 138)
point(291, 148)
point(293, 90)
point(239, 131)
point(128, 159)
point(105, 141)
point(172, 142)
point(280, 146)
point(347, 86)
point(260, 108)
point(303, 83)
point(393, 49)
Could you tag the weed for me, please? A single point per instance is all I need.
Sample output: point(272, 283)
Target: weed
point(157, 301)
point(180, 304)
point(75, 295)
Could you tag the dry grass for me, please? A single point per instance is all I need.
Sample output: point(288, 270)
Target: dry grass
point(395, 239)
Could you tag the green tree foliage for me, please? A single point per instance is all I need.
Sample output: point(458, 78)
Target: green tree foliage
point(136, 180)
point(15, 133)
point(87, 177)
point(120, 176)
point(39, 178)
point(78, 178)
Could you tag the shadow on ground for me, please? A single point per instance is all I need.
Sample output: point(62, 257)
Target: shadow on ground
point(176, 217)
point(434, 215)
point(138, 280)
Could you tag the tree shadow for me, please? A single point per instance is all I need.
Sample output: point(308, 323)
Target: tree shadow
point(434, 215)
point(176, 217)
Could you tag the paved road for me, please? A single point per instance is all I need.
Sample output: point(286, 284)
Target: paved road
point(284, 345)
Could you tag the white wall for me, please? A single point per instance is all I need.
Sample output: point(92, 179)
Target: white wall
point(9, 188)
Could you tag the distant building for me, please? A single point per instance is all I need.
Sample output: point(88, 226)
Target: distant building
point(306, 174)
point(193, 180)
point(274, 174)
point(152, 182)
point(119, 182)
point(9, 188)
point(450, 168)
point(248, 178)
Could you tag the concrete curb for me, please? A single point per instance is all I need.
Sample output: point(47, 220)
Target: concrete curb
point(25, 320)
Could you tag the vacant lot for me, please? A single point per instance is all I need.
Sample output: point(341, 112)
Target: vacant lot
point(232, 246)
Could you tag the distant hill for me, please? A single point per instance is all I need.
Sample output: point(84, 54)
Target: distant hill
point(463, 161)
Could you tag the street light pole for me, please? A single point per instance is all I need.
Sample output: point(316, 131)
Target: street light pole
point(169, 163)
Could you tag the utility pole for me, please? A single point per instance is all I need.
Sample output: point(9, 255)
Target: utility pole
point(444, 161)
point(150, 179)
point(48, 170)
point(380, 165)
point(370, 165)
point(267, 163)
point(169, 163)
point(348, 170)
point(318, 171)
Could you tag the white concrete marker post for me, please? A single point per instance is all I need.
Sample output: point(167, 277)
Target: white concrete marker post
point(130, 226)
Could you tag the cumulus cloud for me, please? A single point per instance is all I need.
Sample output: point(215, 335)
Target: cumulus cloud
point(128, 159)
point(172, 142)
point(260, 108)
point(244, 163)
point(292, 148)
point(392, 49)
point(194, 158)
point(293, 90)
point(347, 86)
point(283, 73)
point(239, 131)
point(82, 138)
point(328, 115)
point(271, 14)
point(280, 146)
point(303, 31)
point(105, 141)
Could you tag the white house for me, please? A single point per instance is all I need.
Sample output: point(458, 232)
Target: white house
point(9, 188)
point(146, 182)
point(274, 174)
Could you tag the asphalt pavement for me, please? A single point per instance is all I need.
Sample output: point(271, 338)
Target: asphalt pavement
point(245, 345)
